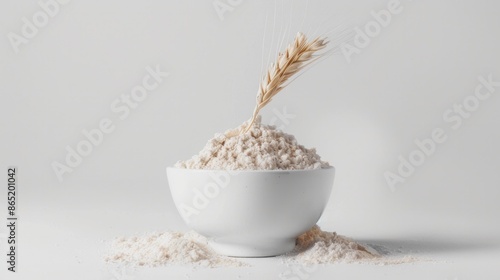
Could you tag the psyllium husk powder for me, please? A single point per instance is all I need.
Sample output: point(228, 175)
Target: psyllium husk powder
point(262, 147)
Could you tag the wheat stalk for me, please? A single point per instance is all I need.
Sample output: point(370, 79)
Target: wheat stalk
point(297, 55)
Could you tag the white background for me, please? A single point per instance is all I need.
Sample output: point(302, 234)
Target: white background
point(360, 111)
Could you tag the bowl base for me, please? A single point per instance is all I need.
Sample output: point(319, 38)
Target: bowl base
point(255, 249)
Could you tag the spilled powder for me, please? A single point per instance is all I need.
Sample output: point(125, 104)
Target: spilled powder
point(263, 147)
point(157, 249)
point(313, 247)
point(317, 247)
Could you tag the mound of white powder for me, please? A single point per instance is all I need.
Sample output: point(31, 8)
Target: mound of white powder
point(156, 249)
point(263, 147)
point(317, 247)
point(313, 247)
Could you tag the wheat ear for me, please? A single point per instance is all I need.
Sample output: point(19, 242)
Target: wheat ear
point(296, 56)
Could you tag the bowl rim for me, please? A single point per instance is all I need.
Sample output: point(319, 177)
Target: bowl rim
point(248, 171)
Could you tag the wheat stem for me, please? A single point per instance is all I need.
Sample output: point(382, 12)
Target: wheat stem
point(292, 61)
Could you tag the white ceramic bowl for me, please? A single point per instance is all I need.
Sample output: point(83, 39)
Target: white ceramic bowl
point(251, 213)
